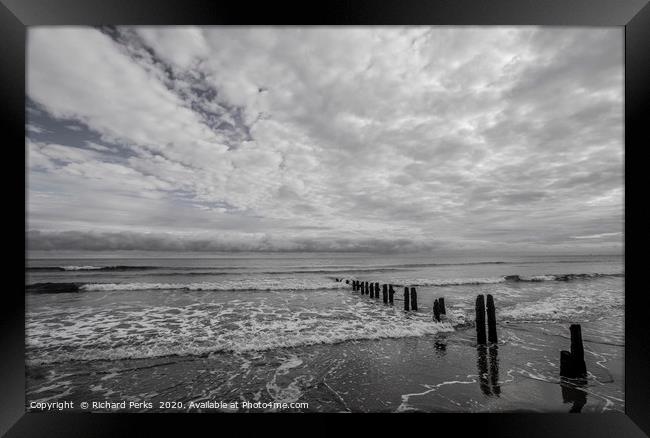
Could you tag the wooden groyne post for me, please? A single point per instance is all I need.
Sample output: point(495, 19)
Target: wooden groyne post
point(436, 310)
point(391, 292)
point(481, 310)
point(376, 290)
point(577, 348)
point(480, 320)
point(491, 320)
point(406, 298)
point(566, 364)
point(572, 363)
point(366, 291)
point(371, 287)
point(414, 299)
point(384, 292)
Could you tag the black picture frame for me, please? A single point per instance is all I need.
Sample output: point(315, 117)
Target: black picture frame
point(634, 15)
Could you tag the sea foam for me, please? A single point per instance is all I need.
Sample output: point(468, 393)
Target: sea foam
point(204, 328)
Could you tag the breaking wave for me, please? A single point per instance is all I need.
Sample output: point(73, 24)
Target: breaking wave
point(510, 278)
point(201, 329)
point(290, 283)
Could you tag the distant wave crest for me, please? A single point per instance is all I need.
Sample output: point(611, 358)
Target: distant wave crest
point(511, 278)
point(89, 268)
point(289, 284)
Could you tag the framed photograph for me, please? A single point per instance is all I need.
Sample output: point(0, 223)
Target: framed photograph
point(413, 208)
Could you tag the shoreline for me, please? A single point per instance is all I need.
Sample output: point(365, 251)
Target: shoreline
point(445, 372)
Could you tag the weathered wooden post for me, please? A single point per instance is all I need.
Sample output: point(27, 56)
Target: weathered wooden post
point(480, 320)
point(376, 290)
point(577, 349)
point(371, 287)
point(414, 299)
point(391, 292)
point(491, 320)
point(436, 310)
point(365, 286)
point(406, 298)
point(572, 364)
point(441, 306)
point(566, 364)
point(384, 292)
point(355, 285)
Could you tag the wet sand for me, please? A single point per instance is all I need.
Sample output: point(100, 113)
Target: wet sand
point(445, 372)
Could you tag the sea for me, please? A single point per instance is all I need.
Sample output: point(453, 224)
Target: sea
point(275, 332)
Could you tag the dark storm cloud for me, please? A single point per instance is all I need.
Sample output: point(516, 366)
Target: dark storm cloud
point(130, 241)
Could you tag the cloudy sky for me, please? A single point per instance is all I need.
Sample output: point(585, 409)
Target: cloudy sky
point(320, 138)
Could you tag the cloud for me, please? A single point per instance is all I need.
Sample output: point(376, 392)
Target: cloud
point(40, 242)
point(34, 128)
point(327, 139)
point(129, 241)
point(598, 236)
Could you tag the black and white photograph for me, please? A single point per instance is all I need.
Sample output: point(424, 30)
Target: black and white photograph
point(325, 219)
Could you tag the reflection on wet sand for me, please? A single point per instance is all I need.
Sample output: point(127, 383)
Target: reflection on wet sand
point(488, 378)
point(571, 393)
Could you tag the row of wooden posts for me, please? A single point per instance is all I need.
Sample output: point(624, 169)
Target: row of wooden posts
point(410, 296)
point(572, 363)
